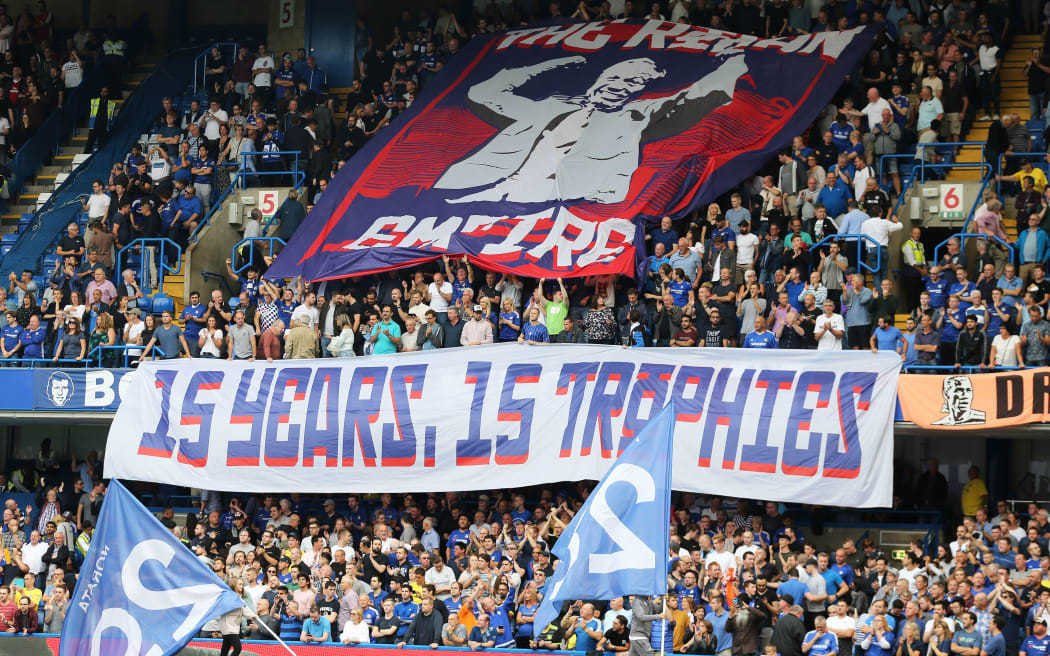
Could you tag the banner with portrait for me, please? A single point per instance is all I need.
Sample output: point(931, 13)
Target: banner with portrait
point(543, 151)
point(977, 401)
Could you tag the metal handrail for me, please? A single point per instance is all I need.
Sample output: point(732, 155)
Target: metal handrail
point(145, 242)
point(300, 178)
point(41, 362)
point(999, 166)
point(978, 199)
point(97, 352)
point(251, 251)
point(970, 369)
point(295, 167)
point(859, 237)
point(922, 156)
point(979, 235)
point(200, 64)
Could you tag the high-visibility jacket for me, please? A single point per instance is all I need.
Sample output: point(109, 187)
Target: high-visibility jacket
point(111, 112)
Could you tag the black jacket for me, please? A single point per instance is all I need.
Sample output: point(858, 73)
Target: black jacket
point(788, 635)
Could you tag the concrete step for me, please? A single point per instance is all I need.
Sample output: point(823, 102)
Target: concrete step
point(37, 189)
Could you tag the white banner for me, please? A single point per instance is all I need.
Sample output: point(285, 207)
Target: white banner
point(796, 426)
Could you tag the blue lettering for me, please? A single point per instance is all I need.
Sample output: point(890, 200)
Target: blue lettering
point(323, 406)
point(652, 381)
point(799, 461)
point(475, 450)
point(605, 405)
point(405, 382)
point(760, 457)
point(284, 453)
point(195, 452)
point(846, 463)
point(578, 374)
point(361, 413)
point(245, 453)
point(159, 443)
point(728, 413)
point(515, 451)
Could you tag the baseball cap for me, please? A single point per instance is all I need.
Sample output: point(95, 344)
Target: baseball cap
point(238, 515)
point(811, 561)
point(328, 502)
point(286, 559)
point(1039, 620)
point(477, 308)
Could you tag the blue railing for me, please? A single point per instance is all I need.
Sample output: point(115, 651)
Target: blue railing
point(923, 165)
point(976, 203)
point(962, 236)
point(200, 63)
point(250, 260)
point(241, 178)
point(1002, 158)
point(99, 352)
point(856, 240)
point(161, 248)
point(968, 369)
point(299, 176)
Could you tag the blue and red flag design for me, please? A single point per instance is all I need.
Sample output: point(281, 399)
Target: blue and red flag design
point(544, 151)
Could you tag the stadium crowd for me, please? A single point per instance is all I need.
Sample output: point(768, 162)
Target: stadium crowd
point(759, 268)
point(470, 570)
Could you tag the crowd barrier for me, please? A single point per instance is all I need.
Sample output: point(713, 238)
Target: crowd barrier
point(46, 645)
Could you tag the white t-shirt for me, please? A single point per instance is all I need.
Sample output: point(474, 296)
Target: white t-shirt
point(159, 168)
point(262, 79)
point(725, 560)
point(745, 248)
point(210, 123)
point(133, 330)
point(209, 346)
point(74, 74)
point(986, 56)
point(839, 623)
point(437, 301)
point(1006, 350)
point(5, 127)
point(874, 111)
point(309, 314)
point(33, 556)
point(98, 205)
point(828, 341)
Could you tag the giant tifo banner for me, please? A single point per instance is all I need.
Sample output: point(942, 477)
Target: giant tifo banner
point(510, 416)
point(973, 402)
point(543, 151)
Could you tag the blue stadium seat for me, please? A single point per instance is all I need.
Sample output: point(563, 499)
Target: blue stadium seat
point(25, 221)
point(1036, 126)
point(8, 239)
point(234, 302)
point(5, 249)
point(146, 304)
point(163, 303)
point(48, 263)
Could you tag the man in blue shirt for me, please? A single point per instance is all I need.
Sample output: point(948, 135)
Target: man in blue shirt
point(316, 628)
point(665, 235)
point(314, 77)
point(760, 337)
point(819, 642)
point(834, 195)
point(1011, 284)
point(12, 335)
point(1037, 644)
point(937, 288)
point(963, 288)
point(405, 611)
point(688, 588)
point(202, 168)
point(737, 214)
point(193, 319)
point(718, 616)
point(33, 338)
point(887, 337)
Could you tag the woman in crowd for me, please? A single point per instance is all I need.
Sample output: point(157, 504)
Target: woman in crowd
point(104, 334)
point(73, 344)
point(210, 339)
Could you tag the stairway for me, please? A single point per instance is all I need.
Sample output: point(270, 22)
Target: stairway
point(1014, 99)
point(50, 177)
point(174, 285)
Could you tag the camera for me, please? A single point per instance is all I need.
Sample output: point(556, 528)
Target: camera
point(976, 535)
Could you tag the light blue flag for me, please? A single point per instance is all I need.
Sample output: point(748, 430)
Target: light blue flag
point(617, 543)
point(140, 591)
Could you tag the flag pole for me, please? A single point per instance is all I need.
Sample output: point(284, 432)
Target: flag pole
point(270, 631)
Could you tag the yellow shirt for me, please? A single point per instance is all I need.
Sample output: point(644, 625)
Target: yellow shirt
point(973, 496)
point(1037, 174)
point(34, 595)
